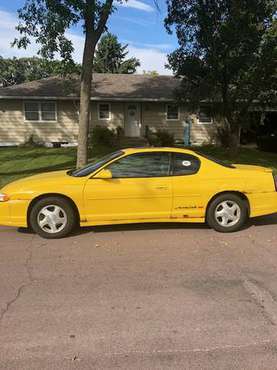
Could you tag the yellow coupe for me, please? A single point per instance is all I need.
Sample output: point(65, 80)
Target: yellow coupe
point(140, 185)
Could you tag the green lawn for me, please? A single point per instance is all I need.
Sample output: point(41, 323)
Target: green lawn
point(245, 156)
point(20, 162)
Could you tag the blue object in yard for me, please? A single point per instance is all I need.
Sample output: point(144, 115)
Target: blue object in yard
point(187, 127)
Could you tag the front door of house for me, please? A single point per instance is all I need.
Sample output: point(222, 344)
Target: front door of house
point(132, 120)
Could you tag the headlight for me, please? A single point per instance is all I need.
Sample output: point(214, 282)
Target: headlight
point(4, 197)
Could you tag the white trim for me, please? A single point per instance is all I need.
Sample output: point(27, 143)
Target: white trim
point(40, 120)
point(9, 143)
point(205, 123)
point(172, 119)
point(110, 112)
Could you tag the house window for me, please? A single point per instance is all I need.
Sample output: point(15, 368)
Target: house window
point(204, 115)
point(104, 111)
point(40, 111)
point(32, 111)
point(172, 112)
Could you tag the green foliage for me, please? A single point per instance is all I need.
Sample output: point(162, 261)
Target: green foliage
point(267, 143)
point(47, 22)
point(31, 142)
point(14, 71)
point(110, 57)
point(160, 138)
point(227, 53)
point(103, 136)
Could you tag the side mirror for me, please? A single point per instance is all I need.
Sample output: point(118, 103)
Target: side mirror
point(104, 175)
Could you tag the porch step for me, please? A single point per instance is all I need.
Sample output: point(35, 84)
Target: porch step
point(132, 142)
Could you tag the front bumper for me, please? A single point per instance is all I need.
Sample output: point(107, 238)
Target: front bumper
point(14, 213)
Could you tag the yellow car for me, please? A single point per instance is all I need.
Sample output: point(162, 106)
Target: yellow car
point(140, 185)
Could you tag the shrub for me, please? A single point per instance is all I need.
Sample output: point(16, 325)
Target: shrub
point(161, 138)
point(102, 136)
point(31, 142)
point(222, 136)
point(119, 132)
point(153, 140)
point(267, 143)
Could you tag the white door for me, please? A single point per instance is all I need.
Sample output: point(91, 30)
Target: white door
point(132, 120)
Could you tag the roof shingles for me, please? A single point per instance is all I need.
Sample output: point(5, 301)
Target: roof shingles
point(105, 86)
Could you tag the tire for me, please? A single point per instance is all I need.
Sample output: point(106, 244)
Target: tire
point(227, 213)
point(52, 218)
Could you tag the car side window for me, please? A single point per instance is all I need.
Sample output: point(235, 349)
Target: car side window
point(184, 164)
point(155, 164)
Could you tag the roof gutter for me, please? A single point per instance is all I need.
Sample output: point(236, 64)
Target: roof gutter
point(272, 108)
point(16, 97)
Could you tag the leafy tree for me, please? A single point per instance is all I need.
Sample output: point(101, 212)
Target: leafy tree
point(110, 57)
point(18, 70)
point(227, 54)
point(47, 22)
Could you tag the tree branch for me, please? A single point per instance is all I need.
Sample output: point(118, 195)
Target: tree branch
point(104, 15)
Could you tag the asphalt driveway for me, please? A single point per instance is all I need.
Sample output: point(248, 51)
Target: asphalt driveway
point(140, 297)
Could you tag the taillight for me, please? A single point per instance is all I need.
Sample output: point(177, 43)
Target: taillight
point(275, 181)
point(4, 197)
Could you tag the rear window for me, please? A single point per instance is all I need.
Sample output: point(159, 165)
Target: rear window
point(184, 164)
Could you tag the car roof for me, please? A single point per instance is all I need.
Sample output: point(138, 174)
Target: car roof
point(157, 149)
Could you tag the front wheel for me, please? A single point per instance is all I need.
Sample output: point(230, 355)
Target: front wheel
point(52, 218)
point(227, 213)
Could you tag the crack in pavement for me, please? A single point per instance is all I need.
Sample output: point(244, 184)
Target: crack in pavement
point(29, 270)
point(227, 347)
point(263, 298)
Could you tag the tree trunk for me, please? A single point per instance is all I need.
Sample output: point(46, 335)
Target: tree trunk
point(85, 94)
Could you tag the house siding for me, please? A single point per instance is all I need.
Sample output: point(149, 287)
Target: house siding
point(15, 130)
point(11, 118)
point(202, 133)
point(154, 116)
point(117, 115)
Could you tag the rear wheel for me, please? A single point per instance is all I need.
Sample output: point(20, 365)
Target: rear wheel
point(52, 217)
point(227, 213)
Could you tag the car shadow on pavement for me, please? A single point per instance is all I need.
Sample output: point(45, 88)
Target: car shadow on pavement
point(264, 220)
point(127, 227)
point(148, 226)
point(257, 221)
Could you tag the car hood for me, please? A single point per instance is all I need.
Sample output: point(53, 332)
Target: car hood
point(247, 167)
point(28, 183)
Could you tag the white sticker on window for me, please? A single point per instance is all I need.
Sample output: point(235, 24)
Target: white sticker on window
point(186, 163)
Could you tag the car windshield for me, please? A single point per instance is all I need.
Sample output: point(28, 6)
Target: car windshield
point(90, 168)
point(216, 160)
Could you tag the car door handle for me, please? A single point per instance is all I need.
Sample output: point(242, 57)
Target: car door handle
point(162, 187)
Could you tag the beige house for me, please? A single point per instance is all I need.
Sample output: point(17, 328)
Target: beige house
point(47, 109)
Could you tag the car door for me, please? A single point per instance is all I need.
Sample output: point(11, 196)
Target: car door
point(188, 186)
point(140, 189)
